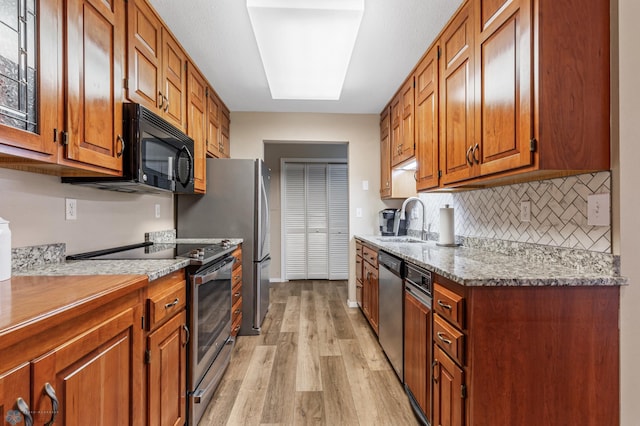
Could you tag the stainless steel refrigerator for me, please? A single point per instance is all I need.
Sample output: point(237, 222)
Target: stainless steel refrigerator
point(236, 205)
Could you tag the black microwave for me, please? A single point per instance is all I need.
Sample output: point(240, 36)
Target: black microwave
point(157, 156)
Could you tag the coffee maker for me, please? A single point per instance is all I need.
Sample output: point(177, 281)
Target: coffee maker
point(390, 222)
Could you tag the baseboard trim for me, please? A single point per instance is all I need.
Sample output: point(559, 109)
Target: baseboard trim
point(352, 303)
point(277, 280)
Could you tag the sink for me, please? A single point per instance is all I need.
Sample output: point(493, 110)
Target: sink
point(399, 240)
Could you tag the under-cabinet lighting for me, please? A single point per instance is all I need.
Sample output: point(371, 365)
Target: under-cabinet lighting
point(305, 45)
point(410, 165)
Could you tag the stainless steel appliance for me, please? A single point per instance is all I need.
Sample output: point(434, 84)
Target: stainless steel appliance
point(391, 223)
point(390, 329)
point(417, 377)
point(156, 156)
point(236, 205)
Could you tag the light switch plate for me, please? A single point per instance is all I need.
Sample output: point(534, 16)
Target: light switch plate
point(599, 210)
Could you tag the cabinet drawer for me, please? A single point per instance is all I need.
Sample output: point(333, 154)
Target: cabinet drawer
point(236, 309)
point(370, 255)
point(448, 338)
point(235, 325)
point(237, 253)
point(236, 277)
point(358, 249)
point(236, 294)
point(164, 305)
point(449, 305)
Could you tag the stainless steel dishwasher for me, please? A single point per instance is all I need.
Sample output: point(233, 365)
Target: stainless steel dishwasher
point(391, 293)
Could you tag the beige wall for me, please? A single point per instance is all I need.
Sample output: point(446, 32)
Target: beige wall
point(362, 133)
point(629, 236)
point(34, 205)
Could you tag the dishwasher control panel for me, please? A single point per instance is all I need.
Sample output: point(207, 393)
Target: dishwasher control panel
point(419, 277)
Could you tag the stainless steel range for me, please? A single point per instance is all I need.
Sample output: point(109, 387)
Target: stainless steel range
point(208, 310)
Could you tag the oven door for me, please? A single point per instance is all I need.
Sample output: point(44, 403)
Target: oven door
point(210, 316)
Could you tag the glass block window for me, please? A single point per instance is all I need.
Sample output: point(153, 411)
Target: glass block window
point(18, 67)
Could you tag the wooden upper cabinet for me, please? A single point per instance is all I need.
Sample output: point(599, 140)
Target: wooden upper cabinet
point(457, 98)
point(213, 124)
point(93, 82)
point(426, 120)
point(402, 138)
point(225, 125)
point(197, 125)
point(396, 129)
point(385, 153)
point(504, 112)
point(157, 72)
point(28, 117)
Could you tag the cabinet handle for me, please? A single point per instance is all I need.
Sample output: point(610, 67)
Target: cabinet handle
point(172, 304)
point(166, 107)
point(236, 328)
point(237, 312)
point(469, 159)
point(444, 305)
point(51, 393)
point(23, 407)
point(476, 148)
point(161, 97)
point(119, 139)
point(237, 294)
point(442, 338)
point(188, 333)
point(436, 371)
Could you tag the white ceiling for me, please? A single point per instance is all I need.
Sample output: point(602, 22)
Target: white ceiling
point(394, 34)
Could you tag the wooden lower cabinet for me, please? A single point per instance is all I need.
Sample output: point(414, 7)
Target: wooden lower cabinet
point(89, 379)
point(370, 294)
point(417, 351)
point(15, 386)
point(448, 380)
point(236, 292)
point(166, 372)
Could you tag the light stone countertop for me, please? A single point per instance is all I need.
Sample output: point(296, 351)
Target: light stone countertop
point(473, 267)
point(153, 268)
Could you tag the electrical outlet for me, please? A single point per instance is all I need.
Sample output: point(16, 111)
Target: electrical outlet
point(70, 209)
point(599, 210)
point(157, 211)
point(525, 211)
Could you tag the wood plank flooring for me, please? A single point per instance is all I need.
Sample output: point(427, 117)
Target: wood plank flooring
point(317, 362)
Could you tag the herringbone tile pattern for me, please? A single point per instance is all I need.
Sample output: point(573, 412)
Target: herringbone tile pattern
point(558, 212)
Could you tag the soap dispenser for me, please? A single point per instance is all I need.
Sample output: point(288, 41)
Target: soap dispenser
point(5, 250)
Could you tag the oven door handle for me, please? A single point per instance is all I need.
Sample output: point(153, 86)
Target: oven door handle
point(207, 276)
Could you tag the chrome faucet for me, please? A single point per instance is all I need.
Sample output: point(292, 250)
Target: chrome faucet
point(423, 235)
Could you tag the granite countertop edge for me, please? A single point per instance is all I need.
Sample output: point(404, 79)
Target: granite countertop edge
point(473, 267)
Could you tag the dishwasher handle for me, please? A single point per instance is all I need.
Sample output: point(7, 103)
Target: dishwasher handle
point(393, 264)
point(418, 294)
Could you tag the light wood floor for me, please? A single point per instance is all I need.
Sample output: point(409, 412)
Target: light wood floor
point(317, 362)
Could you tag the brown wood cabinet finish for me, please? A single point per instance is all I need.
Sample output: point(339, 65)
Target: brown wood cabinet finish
point(197, 123)
point(448, 403)
point(166, 379)
point(157, 65)
point(370, 287)
point(402, 137)
point(456, 97)
point(15, 384)
point(213, 124)
point(385, 153)
point(426, 120)
point(418, 351)
point(236, 292)
point(225, 132)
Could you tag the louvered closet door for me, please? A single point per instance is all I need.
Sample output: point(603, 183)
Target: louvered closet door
point(338, 222)
point(295, 221)
point(317, 222)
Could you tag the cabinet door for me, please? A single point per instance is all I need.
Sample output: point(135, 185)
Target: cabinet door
point(417, 351)
point(29, 78)
point(144, 55)
point(225, 124)
point(15, 384)
point(385, 154)
point(374, 299)
point(197, 125)
point(366, 290)
point(396, 129)
point(426, 120)
point(95, 377)
point(457, 98)
point(448, 378)
point(166, 381)
point(213, 124)
point(95, 31)
point(504, 108)
point(408, 138)
point(174, 83)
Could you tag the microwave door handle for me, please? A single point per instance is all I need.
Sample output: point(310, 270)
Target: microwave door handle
point(191, 165)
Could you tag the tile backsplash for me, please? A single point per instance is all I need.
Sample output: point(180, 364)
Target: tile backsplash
point(558, 212)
